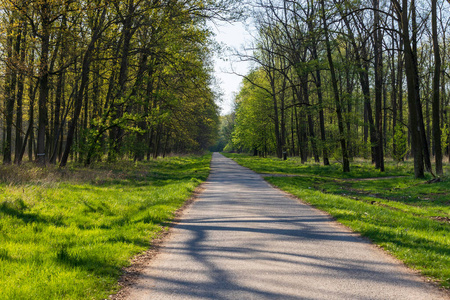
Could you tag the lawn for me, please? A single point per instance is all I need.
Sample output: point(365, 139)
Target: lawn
point(68, 233)
point(407, 217)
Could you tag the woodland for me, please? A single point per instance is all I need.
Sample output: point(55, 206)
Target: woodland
point(92, 91)
point(335, 80)
point(97, 80)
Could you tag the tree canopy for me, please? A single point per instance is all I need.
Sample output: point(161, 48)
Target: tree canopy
point(344, 79)
point(85, 79)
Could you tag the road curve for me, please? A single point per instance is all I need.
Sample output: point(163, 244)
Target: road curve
point(243, 239)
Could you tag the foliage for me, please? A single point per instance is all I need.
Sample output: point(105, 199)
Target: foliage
point(401, 143)
point(445, 138)
point(340, 84)
point(123, 78)
point(294, 166)
point(67, 233)
point(253, 125)
point(224, 140)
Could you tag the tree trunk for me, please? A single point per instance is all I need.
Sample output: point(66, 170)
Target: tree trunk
point(436, 89)
point(415, 128)
point(276, 119)
point(20, 89)
point(127, 34)
point(378, 38)
point(361, 59)
point(43, 83)
point(318, 82)
point(10, 87)
point(83, 86)
point(57, 119)
point(312, 136)
point(393, 97)
point(32, 95)
point(345, 161)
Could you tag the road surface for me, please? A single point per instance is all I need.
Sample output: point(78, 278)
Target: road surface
point(243, 239)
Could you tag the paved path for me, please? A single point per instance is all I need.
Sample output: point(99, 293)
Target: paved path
point(243, 239)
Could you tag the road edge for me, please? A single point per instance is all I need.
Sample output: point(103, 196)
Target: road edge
point(131, 274)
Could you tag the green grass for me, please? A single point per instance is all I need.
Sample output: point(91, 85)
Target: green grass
point(359, 168)
point(407, 217)
point(67, 234)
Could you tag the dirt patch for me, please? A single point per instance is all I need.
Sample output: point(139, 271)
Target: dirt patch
point(441, 219)
point(138, 263)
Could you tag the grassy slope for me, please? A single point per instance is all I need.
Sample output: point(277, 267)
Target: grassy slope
point(66, 234)
point(405, 216)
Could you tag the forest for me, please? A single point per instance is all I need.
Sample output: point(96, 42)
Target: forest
point(84, 81)
point(336, 80)
point(108, 109)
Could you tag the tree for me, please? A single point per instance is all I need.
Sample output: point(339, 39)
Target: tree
point(436, 90)
point(345, 160)
point(415, 120)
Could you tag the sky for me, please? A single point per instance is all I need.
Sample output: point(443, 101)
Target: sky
point(233, 36)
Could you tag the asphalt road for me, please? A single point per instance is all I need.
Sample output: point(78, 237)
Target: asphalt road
point(243, 239)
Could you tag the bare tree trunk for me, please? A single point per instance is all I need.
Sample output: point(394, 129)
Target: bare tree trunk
point(20, 89)
point(411, 72)
point(318, 83)
point(378, 38)
point(57, 119)
point(436, 89)
point(361, 59)
point(10, 87)
point(312, 136)
point(393, 99)
point(127, 34)
point(276, 119)
point(345, 161)
point(43, 82)
point(87, 59)
point(423, 136)
point(283, 116)
point(323, 136)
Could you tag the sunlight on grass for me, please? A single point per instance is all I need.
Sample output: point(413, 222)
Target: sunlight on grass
point(69, 236)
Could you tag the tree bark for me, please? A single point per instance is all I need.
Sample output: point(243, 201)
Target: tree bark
point(345, 160)
point(411, 71)
point(10, 87)
point(20, 89)
point(436, 90)
point(87, 59)
point(43, 83)
point(378, 39)
point(361, 59)
point(318, 82)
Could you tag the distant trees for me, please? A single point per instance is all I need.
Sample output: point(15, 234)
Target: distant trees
point(338, 78)
point(86, 78)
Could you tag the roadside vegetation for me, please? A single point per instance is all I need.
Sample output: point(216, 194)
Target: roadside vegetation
point(407, 217)
point(67, 233)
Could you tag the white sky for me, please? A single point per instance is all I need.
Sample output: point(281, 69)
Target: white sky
point(233, 36)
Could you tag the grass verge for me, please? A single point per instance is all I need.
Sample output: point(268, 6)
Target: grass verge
point(67, 234)
point(407, 217)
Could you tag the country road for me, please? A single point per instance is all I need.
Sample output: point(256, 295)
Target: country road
point(243, 239)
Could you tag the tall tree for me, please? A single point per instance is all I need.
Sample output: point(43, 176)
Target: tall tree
point(337, 100)
point(415, 120)
point(378, 40)
point(436, 90)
